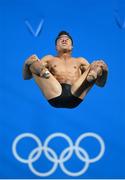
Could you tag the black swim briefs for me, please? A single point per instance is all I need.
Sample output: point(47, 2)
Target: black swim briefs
point(66, 99)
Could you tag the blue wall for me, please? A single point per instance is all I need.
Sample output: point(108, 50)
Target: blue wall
point(98, 30)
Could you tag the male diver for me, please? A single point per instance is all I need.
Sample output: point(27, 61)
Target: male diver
point(63, 79)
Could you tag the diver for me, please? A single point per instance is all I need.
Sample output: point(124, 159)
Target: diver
point(65, 80)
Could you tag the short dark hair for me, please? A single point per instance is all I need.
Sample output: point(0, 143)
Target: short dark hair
point(63, 33)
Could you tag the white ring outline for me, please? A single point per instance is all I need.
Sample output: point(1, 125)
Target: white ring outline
point(96, 136)
point(79, 173)
point(54, 135)
point(33, 170)
point(16, 141)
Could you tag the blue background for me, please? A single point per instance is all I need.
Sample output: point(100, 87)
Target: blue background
point(98, 31)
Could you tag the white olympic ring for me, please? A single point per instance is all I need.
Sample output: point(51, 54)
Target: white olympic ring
point(45, 173)
point(102, 149)
point(52, 156)
point(85, 160)
point(18, 138)
point(54, 136)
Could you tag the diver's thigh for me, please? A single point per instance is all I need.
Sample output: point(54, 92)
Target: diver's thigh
point(50, 87)
point(81, 87)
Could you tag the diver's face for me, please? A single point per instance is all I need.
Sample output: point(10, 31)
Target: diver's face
point(64, 43)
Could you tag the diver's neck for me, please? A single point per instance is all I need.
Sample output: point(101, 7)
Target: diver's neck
point(64, 55)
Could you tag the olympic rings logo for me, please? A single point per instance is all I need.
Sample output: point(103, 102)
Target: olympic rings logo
point(64, 156)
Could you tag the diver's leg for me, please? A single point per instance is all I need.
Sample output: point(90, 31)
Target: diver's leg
point(47, 83)
point(50, 87)
point(86, 81)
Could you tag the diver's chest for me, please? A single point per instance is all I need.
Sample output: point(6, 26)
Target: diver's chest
point(64, 64)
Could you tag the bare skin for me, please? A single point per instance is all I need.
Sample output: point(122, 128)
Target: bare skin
point(65, 69)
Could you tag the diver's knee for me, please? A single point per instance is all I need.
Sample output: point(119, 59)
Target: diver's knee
point(27, 73)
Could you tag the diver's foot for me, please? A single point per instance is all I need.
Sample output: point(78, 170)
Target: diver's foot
point(39, 69)
point(95, 72)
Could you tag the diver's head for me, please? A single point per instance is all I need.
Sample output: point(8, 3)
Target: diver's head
point(64, 42)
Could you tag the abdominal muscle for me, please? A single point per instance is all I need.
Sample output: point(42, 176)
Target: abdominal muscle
point(66, 79)
point(65, 71)
point(66, 75)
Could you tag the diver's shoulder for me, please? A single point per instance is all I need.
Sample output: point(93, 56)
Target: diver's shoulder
point(82, 60)
point(47, 57)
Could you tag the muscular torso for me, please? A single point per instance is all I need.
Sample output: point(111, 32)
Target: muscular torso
point(66, 70)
